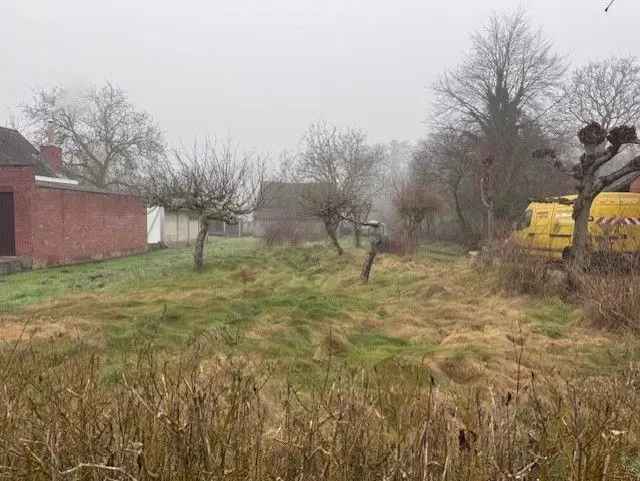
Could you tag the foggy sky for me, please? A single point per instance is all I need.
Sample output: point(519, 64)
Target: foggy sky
point(260, 71)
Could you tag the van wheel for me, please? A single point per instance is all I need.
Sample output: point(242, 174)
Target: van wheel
point(567, 254)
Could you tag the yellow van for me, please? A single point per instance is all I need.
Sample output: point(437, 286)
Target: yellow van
point(614, 225)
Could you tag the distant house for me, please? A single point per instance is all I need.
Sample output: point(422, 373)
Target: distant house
point(46, 218)
point(285, 203)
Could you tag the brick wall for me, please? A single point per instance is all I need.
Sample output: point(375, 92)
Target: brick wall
point(74, 226)
point(20, 181)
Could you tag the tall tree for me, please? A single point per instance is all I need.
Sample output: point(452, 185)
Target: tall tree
point(606, 92)
point(345, 170)
point(215, 181)
point(104, 137)
point(501, 88)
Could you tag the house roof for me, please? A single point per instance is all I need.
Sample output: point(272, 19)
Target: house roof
point(280, 195)
point(15, 150)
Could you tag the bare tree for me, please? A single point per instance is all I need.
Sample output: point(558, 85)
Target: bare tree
point(358, 215)
point(415, 205)
point(501, 88)
point(446, 159)
point(344, 168)
point(104, 137)
point(600, 149)
point(215, 181)
point(606, 91)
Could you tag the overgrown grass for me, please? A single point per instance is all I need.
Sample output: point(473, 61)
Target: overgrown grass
point(278, 364)
point(300, 307)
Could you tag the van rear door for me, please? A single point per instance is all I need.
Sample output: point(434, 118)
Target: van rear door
point(538, 235)
point(561, 228)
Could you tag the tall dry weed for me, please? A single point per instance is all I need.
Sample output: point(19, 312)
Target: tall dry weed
point(194, 418)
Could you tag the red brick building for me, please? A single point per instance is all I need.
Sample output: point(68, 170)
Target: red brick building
point(47, 219)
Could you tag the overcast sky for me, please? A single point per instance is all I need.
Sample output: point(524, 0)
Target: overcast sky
point(260, 71)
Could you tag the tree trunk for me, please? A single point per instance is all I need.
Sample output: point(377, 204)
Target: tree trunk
point(593, 139)
point(580, 241)
point(487, 201)
point(410, 242)
point(491, 224)
point(375, 242)
point(357, 231)
point(198, 255)
point(332, 232)
point(368, 263)
point(466, 228)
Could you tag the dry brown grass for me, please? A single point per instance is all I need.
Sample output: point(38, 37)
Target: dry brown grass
point(608, 290)
point(612, 296)
point(219, 418)
point(280, 366)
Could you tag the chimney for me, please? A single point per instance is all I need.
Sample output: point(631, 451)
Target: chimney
point(51, 153)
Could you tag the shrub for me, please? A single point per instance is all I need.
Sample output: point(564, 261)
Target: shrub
point(399, 244)
point(523, 273)
point(415, 206)
point(280, 233)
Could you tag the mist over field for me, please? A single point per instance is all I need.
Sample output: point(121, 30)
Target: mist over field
point(259, 72)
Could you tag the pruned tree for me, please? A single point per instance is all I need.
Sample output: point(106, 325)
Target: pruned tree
point(104, 137)
point(606, 92)
point(214, 181)
point(500, 90)
point(344, 169)
point(601, 146)
point(415, 205)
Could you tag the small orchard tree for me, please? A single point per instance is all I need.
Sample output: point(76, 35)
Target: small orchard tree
point(216, 182)
point(600, 147)
point(344, 170)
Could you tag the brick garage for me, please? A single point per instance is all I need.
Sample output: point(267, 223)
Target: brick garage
point(55, 220)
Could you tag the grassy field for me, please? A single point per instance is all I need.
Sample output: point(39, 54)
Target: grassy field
point(280, 364)
point(300, 308)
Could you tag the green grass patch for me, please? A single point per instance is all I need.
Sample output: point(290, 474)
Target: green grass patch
point(551, 317)
point(373, 348)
